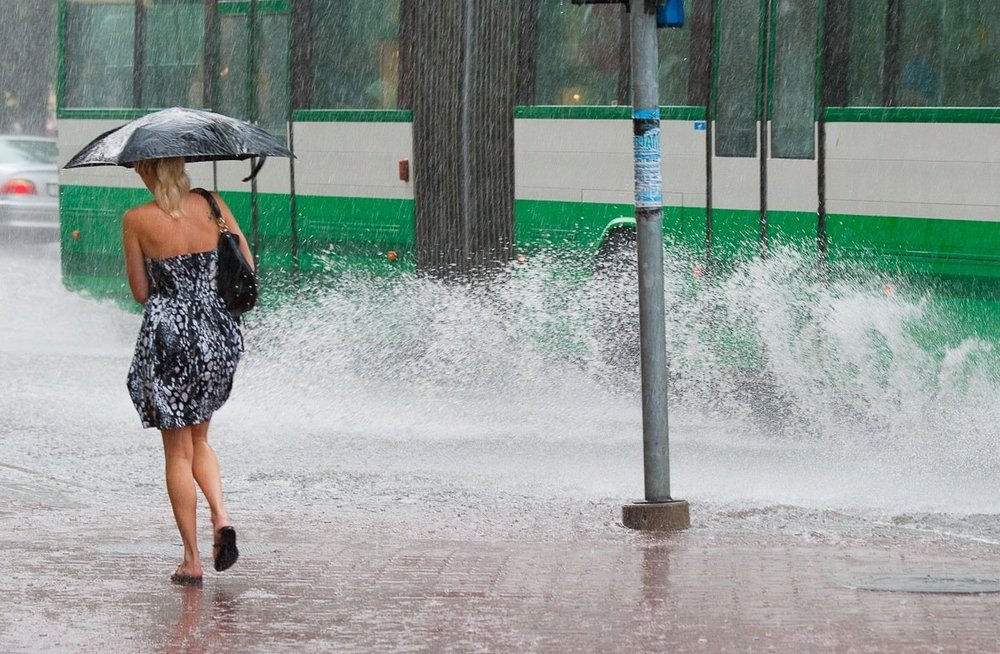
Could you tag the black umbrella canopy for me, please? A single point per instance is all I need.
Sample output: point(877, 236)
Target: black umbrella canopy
point(193, 134)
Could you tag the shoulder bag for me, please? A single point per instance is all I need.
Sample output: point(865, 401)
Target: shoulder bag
point(236, 280)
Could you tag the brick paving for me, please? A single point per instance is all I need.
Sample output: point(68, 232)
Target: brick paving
point(84, 573)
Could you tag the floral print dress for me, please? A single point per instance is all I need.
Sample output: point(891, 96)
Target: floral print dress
point(188, 345)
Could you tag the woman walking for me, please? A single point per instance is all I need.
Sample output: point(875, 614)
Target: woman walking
point(188, 346)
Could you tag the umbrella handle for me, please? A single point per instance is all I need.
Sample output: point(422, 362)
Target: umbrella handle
point(256, 167)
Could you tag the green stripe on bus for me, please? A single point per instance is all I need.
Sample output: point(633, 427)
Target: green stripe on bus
point(351, 233)
point(912, 115)
point(243, 6)
point(70, 113)
point(964, 248)
point(352, 116)
point(562, 112)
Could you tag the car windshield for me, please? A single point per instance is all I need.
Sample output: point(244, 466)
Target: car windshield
point(30, 151)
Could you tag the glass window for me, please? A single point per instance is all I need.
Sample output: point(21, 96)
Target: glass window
point(675, 60)
point(948, 54)
point(867, 37)
point(920, 81)
point(579, 54)
point(970, 51)
point(234, 69)
point(98, 48)
point(272, 87)
point(930, 53)
point(736, 110)
point(254, 89)
point(173, 33)
point(794, 91)
point(355, 54)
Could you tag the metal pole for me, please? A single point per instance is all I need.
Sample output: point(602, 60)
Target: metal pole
point(649, 226)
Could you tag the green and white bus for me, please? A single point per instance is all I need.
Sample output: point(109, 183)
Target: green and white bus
point(858, 130)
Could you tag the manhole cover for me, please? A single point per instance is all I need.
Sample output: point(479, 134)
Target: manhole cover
point(926, 584)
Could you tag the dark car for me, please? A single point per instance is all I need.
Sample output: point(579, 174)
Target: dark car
point(29, 185)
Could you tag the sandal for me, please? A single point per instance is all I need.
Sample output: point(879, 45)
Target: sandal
point(185, 580)
point(225, 548)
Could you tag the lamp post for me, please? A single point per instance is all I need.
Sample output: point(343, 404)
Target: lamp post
point(659, 510)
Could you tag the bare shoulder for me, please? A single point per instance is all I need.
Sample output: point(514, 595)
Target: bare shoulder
point(135, 217)
point(227, 213)
point(213, 194)
point(142, 210)
point(218, 198)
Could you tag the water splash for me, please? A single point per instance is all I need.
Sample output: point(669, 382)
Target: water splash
point(786, 386)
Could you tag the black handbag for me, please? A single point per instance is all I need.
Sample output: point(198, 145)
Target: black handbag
point(236, 280)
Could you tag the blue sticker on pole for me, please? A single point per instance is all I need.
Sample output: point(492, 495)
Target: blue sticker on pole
point(646, 147)
point(670, 14)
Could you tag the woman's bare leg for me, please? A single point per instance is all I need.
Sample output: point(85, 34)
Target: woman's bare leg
point(206, 473)
point(178, 451)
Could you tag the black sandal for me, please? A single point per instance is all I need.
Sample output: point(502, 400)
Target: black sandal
point(185, 580)
point(225, 548)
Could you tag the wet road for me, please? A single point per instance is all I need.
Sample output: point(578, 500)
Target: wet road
point(377, 516)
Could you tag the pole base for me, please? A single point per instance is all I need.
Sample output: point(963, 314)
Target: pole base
point(657, 516)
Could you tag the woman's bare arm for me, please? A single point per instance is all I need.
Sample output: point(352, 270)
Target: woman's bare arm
point(135, 264)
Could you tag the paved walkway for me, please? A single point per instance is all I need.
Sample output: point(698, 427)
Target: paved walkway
point(84, 572)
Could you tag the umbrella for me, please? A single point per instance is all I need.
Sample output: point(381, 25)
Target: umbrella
point(193, 134)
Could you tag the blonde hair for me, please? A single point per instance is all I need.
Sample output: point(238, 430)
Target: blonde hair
point(172, 183)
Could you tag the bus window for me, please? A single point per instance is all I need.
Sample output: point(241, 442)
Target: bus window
point(355, 58)
point(97, 55)
point(272, 73)
point(919, 83)
point(254, 54)
point(675, 60)
point(972, 78)
point(581, 57)
point(736, 80)
point(923, 53)
point(234, 59)
point(947, 54)
point(173, 54)
point(794, 92)
point(866, 33)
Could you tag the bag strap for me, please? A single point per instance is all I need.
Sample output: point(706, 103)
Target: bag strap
point(216, 212)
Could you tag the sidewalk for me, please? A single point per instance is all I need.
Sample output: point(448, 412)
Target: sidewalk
point(81, 573)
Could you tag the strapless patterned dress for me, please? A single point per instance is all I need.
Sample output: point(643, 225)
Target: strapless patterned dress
point(188, 346)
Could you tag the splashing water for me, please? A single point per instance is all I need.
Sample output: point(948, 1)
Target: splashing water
point(785, 386)
point(857, 393)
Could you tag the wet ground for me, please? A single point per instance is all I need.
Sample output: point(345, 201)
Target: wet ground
point(453, 520)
